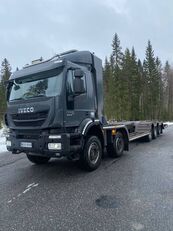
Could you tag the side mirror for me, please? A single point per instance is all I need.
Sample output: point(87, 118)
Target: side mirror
point(78, 85)
point(78, 73)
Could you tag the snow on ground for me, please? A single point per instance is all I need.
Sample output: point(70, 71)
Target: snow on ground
point(169, 123)
point(2, 141)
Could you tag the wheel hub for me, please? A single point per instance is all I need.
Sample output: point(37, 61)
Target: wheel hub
point(93, 153)
point(119, 144)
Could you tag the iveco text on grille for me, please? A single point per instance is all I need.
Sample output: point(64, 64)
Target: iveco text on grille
point(26, 110)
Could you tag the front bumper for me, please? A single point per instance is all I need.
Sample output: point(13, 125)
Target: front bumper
point(39, 146)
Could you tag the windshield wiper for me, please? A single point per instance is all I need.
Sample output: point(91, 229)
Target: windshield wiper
point(17, 99)
point(35, 96)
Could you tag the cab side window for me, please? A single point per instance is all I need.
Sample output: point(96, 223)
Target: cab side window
point(70, 99)
point(69, 90)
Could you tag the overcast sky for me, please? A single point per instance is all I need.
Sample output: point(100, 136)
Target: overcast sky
point(34, 28)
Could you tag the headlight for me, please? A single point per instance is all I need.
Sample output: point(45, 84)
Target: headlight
point(54, 146)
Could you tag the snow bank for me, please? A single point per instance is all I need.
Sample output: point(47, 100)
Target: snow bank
point(2, 140)
point(169, 123)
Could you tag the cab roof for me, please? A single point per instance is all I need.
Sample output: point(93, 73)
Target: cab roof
point(78, 57)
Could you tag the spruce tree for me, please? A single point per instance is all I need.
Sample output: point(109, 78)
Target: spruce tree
point(160, 95)
point(142, 89)
point(168, 83)
point(151, 84)
point(136, 87)
point(116, 89)
point(107, 81)
point(5, 74)
point(126, 93)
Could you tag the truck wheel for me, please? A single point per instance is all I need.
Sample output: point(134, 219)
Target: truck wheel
point(158, 130)
point(154, 132)
point(90, 158)
point(148, 138)
point(38, 159)
point(161, 129)
point(117, 148)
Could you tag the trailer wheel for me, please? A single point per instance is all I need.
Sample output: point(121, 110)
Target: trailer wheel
point(37, 159)
point(90, 158)
point(148, 138)
point(161, 129)
point(158, 130)
point(154, 132)
point(117, 148)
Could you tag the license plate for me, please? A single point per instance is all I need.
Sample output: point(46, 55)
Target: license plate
point(26, 145)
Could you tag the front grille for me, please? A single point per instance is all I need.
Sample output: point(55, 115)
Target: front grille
point(30, 119)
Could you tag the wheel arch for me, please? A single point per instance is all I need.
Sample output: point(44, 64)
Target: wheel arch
point(94, 129)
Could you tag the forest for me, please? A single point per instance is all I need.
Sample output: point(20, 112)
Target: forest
point(134, 89)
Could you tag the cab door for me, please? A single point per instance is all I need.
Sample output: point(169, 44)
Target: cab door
point(74, 114)
point(78, 107)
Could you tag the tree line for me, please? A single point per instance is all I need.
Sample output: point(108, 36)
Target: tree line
point(135, 89)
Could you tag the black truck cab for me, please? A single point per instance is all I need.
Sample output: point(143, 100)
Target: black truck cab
point(52, 104)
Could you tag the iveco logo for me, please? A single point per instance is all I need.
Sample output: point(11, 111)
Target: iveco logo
point(25, 110)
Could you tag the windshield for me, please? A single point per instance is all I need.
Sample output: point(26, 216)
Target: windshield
point(32, 87)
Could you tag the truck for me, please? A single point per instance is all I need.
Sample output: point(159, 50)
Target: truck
point(55, 109)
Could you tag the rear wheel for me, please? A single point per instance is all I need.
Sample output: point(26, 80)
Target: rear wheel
point(158, 130)
point(161, 129)
point(90, 158)
point(148, 138)
point(154, 132)
point(38, 159)
point(116, 149)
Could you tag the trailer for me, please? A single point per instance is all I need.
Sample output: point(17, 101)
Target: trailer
point(55, 109)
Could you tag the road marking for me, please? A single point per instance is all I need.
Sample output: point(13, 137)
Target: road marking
point(30, 185)
point(27, 189)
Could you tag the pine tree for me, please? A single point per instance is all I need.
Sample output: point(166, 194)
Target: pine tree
point(151, 84)
point(107, 81)
point(136, 87)
point(5, 74)
point(160, 95)
point(117, 54)
point(126, 96)
point(116, 88)
point(168, 83)
point(142, 89)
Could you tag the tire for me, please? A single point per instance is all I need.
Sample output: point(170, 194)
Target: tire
point(38, 159)
point(117, 148)
point(148, 138)
point(158, 130)
point(90, 158)
point(161, 129)
point(154, 133)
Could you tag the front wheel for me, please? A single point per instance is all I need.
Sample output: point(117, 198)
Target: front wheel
point(90, 158)
point(38, 159)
